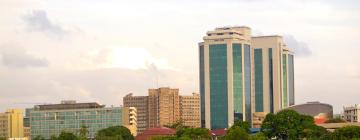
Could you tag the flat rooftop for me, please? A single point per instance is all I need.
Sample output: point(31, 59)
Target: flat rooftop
point(68, 105)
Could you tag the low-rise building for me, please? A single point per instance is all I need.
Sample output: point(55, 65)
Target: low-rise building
point(51, 120)
point(351, 113)
point(320, 111)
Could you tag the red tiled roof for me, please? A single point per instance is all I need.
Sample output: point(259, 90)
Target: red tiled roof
point(156, 131)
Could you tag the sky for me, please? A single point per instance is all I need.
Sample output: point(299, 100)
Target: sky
point(92, 50)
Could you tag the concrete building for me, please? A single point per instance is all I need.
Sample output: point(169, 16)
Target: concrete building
point(190, 110)
point(241, 75)
point(351, 113)
point(225, 77)
point(141, 105)
point(320, 111)
point(274, 74)
point(11, 124)
point(163, 106)
point(131, 121)
point(49, 120)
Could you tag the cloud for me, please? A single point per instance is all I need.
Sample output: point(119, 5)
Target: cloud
point(128, 58)
point(37, 20)
point(16, 57)
point(301, 49)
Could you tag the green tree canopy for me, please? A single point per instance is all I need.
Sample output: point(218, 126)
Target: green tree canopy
point(39, 137)
point(67, 136)
point(114, 132)
point(288, 124)
point(242, 124)
point(335, 120)
point(347, 132)
point(236, 133)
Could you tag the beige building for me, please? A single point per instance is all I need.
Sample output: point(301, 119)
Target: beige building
point(190, 110)
point(351, 113)
point(163, 106)
point(129, 119)
point(11, 124)
point(141, 105)
point(274, 74)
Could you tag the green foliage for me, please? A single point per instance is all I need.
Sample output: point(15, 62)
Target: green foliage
point(258, 136)
point(347, 132)
point(39, 137)
point(53, 137)
point(2, 138)
point(236, 133)
point(83, 133)
point(242, 124)
point(194, 133)
point(114, 133)
point(288, 124)
point(335, 120)
point(67, 136)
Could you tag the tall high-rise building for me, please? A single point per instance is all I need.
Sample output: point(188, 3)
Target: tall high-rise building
point(141, 105)
point(163, 106)
point(11, 124)
point(274, 74)
point(241, 75)
point(190, 110)
point(51, 120)
point(225, 77)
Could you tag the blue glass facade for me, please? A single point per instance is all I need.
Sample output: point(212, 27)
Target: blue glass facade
point(271, 82)
point(202, 84)
point(285, 87)
point(259, 103)
point(237, 81)
point(247, 74)
point(218, 86)
point(291, 79)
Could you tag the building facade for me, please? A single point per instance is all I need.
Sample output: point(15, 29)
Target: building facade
point(51, 120)
point(163, 106)
point(141, 105)
point(225, 77)
point(320, 111)
point(190, 110)
point(274, 74)
point(241, 75)
point(11, 124)
point(351, 113)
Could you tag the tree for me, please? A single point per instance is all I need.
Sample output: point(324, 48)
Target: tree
point(83, 134)
point(258, 136)
point(114, 132)
point(53, 137)
point(236, 133)
point(288, 124)
point(194, 133)
point(335, 120)
point(2, 138)
point(242, 124)
point(347, 132)
point(39, 137)
point(67, 136)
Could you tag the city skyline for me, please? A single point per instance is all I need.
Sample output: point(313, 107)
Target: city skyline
point(53, 50)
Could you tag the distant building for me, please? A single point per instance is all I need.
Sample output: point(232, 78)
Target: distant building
point(351, 113)
point(190, 110)
point(51, 120)
point(131, 121)
point(258, 118)
point(141, 105)
point(163, 107)
point(241, 75)
point(11, 124)
point(320, 111)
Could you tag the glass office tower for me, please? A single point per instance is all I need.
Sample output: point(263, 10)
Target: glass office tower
point(225, 77)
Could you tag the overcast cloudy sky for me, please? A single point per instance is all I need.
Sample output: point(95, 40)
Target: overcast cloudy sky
point(100, 50)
